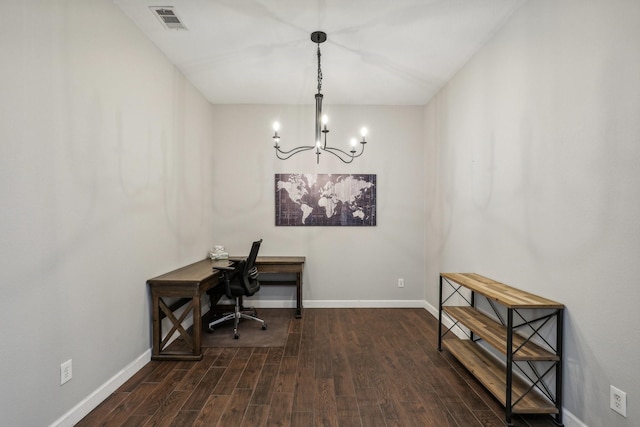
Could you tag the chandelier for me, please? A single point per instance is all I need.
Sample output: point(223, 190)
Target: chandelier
point(321, 125)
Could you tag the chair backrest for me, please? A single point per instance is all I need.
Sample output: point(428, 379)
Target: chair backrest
point(251, 259)
point(250, 271)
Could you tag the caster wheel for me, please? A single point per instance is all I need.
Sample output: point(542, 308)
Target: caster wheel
point(236, 336)
point(210, 329)
point(264, 326)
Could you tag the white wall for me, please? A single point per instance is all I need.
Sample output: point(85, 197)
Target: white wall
point(345, 265)
point(105, 180)
point(538, 139)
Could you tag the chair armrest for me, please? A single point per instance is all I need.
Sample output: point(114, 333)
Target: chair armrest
point(224, 265)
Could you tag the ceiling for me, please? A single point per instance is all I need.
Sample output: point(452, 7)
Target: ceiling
point(378, 52)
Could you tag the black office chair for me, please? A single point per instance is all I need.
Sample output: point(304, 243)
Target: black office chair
point(238, 281)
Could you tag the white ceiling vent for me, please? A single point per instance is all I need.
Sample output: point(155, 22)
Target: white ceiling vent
point(167, 15)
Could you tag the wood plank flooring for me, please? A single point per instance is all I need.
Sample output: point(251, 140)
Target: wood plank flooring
point(339, 367)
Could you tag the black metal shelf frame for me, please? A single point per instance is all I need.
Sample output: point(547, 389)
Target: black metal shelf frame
point(535, 377)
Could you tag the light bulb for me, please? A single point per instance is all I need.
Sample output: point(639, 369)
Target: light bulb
point(363, 132)
point(276, 126)
point(325, 119)
point(353, 142)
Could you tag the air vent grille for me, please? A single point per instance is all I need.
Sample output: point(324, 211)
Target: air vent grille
point(168, 17)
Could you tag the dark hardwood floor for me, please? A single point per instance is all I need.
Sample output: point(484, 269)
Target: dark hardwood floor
point(339, 367)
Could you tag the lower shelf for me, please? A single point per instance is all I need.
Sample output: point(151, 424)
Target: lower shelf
point(491, 373)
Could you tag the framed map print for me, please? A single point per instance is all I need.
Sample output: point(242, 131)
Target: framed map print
point(325, 200)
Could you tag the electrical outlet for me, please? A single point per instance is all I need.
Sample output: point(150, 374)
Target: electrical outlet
point(401, 283)
point(618, 401)
point(65, 372)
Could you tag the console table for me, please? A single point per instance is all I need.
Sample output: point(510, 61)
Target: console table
point(188, 283)
point(531, 359)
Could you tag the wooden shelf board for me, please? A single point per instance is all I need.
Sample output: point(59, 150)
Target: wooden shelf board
point(496, 335)
point(504, 294)
point(491, 373)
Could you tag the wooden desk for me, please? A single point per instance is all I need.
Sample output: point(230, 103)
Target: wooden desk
point(188, 284)
point(279, 265)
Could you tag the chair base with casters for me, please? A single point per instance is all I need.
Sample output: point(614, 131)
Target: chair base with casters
point(237, 314)
point(238, 281)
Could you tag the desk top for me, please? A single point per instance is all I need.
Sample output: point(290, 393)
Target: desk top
point(280, 260)
point(192, 273)
point(204, 269)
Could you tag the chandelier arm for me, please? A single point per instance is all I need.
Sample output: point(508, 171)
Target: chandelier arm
point(361, 151)
point(340, 154)
point(284, 155)
point(350, 154)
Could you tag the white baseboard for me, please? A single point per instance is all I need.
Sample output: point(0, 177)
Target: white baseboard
point(431, 309)
point(570, 420)
point(270, 303)
point(257, 303)
point(446, 321)
point(364, 304)
point(90, 402)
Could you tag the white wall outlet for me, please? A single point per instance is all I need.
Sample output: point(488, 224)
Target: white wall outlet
point(618, 401)
point(401, 283)
point(65, 372)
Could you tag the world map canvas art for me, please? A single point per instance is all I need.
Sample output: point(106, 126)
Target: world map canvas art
point(325, 200)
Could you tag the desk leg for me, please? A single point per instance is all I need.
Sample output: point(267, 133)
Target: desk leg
point(156, 325)
point(298, 295)
point(160, 351)
point(197, 327)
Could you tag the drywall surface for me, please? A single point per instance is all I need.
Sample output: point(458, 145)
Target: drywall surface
point(538, 141)
point(106, 182)
point(346, 266)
